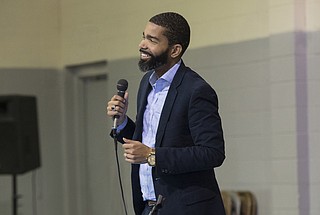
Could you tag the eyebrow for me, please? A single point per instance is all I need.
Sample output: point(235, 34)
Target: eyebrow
point(150, 37)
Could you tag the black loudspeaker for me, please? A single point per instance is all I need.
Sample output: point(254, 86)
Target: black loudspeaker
point(19, 139)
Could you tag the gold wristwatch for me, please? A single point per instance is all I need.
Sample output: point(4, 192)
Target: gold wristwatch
point(151, 158)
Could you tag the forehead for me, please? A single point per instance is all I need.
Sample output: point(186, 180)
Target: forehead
point(154, 30)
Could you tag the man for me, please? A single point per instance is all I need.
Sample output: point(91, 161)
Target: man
point(177, 139)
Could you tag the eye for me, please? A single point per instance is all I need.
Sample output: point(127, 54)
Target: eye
point(153, 40)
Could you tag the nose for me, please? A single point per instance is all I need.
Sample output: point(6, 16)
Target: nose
point(142, 44)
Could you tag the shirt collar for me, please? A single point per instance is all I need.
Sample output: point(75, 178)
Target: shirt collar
point(168, 76)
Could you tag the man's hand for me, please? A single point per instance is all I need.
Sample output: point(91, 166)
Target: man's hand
point(118, 106)
point(135, 152)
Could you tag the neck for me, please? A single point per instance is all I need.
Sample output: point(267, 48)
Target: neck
point(160, 71)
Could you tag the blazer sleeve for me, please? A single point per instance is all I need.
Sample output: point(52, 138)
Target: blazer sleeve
point(199, 143)
point(126, 132)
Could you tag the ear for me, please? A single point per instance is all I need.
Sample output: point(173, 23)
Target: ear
point(176, 50)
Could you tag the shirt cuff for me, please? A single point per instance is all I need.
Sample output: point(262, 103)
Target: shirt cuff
point(122, 125)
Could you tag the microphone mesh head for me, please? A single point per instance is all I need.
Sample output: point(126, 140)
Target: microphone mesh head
point(122, 85)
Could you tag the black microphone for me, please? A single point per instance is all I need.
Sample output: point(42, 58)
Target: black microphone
point(122, 86)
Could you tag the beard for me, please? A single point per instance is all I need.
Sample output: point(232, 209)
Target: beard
point(154, 62)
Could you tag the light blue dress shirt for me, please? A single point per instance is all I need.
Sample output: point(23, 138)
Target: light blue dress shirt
point(151, 118)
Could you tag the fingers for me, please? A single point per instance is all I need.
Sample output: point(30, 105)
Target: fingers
point(117, 101)
point(135, 151)
point(134, 159)
point(117, 105)
point(115, 108)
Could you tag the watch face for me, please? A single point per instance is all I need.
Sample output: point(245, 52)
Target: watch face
point(152, 160)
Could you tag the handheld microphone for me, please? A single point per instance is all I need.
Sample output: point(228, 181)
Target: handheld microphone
point(122, 86)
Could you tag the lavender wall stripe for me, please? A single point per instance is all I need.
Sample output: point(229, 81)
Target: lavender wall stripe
point(301, 69)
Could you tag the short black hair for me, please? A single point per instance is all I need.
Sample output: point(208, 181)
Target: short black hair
point(177, 28)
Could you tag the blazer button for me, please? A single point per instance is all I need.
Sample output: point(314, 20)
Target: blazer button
point(165, 171)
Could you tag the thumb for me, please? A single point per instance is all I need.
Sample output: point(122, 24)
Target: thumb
point(126, 96)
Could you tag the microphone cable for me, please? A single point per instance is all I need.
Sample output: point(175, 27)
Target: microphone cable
point(118, 168)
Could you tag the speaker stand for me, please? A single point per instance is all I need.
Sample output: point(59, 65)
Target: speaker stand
point(15, 195)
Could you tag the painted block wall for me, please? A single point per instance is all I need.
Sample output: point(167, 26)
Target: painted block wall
point(250, 49)
point(29, 34)
point(41, 190)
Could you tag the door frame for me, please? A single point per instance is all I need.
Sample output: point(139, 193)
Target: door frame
point(76, 171)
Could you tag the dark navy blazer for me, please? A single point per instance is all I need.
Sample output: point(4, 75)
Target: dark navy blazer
point(189, 144)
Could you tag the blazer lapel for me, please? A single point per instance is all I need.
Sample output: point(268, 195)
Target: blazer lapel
point(168, 105)
point(143, 93)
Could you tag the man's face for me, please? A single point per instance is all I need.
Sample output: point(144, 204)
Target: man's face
point(154, 49)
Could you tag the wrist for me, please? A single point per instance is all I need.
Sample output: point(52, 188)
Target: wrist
point(122, 123)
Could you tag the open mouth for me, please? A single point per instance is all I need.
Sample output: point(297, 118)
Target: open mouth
point(144, 55)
